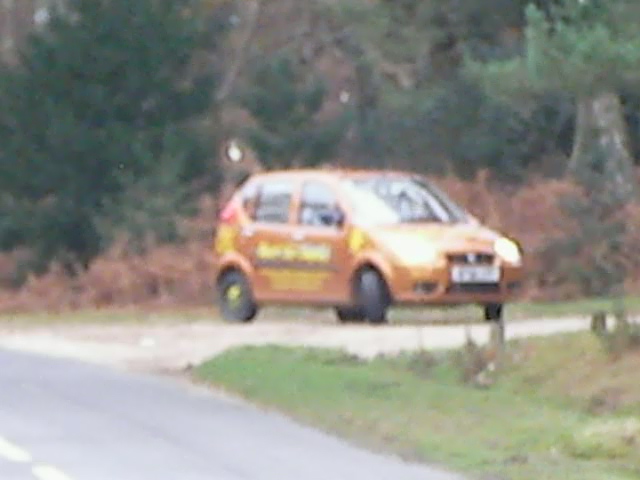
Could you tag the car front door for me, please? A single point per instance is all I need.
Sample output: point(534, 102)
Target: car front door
point(269, 239)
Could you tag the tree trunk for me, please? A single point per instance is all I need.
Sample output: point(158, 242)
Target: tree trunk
point(601, 130)
point(250, 13)
point(16, 23)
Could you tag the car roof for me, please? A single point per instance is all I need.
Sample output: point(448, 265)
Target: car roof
point(329, 172)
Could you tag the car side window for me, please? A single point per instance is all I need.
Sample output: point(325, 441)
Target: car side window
point(274, 202)
point(318, 205)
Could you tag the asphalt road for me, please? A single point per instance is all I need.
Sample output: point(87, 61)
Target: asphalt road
point(63, 420)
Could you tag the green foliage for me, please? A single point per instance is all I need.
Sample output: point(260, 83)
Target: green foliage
point(623, 338)
point(428, 35)
point(87, 117)
point(148, 207)
point(416, 107)
point(472, 362)
point(580, 47)
point(459, 129)
point(590, 255)
point(631, 105)
point(612, 438)
point(385, 401)
point(588, 49)
point(285, 104)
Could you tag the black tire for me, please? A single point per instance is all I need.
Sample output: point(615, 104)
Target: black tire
point(236, 298)
point(493, 312)
point(373, 296)
point(349, 315)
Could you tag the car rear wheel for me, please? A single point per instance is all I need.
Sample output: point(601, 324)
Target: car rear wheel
point(236, 298)
point(373, 296)
point(349, 315)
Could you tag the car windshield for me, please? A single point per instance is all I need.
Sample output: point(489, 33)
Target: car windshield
point(384, 200)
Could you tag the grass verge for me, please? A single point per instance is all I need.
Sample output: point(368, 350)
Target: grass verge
point(516, 311)
point(586, 306)
point(561, 409)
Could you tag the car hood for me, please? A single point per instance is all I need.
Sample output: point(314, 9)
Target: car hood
point(461, 237)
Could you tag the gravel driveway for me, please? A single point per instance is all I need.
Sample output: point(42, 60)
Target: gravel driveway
point(173, 346)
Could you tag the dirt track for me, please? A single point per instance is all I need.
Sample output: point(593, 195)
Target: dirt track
point(169, 347)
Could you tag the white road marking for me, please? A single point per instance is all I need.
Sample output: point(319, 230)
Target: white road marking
point(13, 453)
point(46, 472)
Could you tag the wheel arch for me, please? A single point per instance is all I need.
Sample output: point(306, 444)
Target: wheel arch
point(236, 264)
point(371, 264)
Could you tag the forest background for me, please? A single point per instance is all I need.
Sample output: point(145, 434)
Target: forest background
point(114, 115)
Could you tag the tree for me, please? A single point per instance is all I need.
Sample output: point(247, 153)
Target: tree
point(417, 42)
point(285, 102)
point(590, 255)
point(589, 49)
point(251, 14)
point(17, 18)
point(101, 91)
point(415, 104)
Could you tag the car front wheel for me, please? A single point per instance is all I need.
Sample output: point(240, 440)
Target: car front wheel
point(236, 298)
point(373, 296)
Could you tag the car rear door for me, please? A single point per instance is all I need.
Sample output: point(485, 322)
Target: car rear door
point(268, 239)
point(322, 242)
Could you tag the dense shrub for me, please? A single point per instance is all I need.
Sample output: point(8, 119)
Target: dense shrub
point(167, 275)
point(100, 127)
point(618, 335)
point(182, 275)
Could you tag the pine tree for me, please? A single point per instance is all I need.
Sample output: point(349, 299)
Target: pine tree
point(591, 255)
point(285, 103)
point(417, 105)
point(591, 50)
point(88, 114)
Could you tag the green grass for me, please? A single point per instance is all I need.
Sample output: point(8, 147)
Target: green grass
point(468, 314)
point(536, 422)
point(535, 310)
point(572, 308)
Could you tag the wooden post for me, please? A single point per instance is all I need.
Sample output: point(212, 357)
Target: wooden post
point(497, 341)
point(599, 323)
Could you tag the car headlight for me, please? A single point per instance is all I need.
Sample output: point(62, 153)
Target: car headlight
point(413, 251)
point(508, 250)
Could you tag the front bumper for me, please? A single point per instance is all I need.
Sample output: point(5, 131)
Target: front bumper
point(434, 286)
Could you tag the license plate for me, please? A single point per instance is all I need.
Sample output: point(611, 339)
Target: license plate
point(475, 274)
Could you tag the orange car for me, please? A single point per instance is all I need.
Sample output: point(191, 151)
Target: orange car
point(358, 241)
